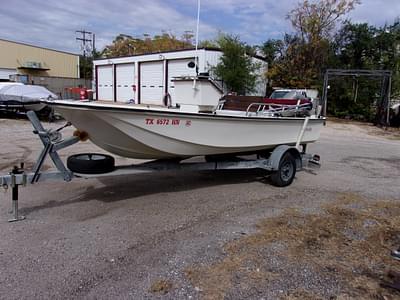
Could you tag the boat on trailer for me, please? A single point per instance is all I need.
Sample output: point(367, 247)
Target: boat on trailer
point(198, 125)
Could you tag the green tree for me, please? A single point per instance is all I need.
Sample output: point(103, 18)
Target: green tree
point(236, 67)
point(355, 45)
point(315, 20)
point(86, 64)
point(272, 50)
point(361, 46)
point(306, 54)
point(208, 44)
point(124, 45)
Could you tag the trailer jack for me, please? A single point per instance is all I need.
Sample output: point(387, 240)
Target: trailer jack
point(15, 189)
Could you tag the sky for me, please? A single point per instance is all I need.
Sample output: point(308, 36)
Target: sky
point(53, 23)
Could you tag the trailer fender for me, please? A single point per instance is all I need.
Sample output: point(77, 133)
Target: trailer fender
point(279, 152)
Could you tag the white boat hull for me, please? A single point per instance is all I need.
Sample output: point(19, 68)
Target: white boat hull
point(137, 132)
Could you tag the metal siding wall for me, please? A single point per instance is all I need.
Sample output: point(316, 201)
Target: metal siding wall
point(261, 81)
point(14, 55)
point(212, 59)
point(177, 68)
point(207, 58)
point(5, 73)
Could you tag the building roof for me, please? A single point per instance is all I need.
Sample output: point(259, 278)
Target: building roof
point(170, 51)
point(158, 52)
point(29, 45)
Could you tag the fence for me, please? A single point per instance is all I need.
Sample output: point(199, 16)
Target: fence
point(57, 85)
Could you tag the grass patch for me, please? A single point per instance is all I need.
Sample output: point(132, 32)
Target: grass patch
point(342, 252)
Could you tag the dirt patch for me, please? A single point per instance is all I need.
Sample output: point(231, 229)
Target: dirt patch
point(374, 167)
point(161, 287)
point(390, 133)
point(342, 252)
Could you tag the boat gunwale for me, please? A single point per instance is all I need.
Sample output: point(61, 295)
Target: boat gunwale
point(148, 110)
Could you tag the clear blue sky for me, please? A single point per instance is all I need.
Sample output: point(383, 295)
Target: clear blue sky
point(53, 23)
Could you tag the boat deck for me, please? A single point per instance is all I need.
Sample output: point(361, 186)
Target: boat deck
point(242, 106)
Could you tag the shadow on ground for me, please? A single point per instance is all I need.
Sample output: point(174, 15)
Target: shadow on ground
point(114, 189)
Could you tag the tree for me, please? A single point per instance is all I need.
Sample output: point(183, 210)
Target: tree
point(355, 45)
point(361, 46)
point(208, 44)
point(236, 67)
point(304, 55)
point(124, 45)
point(314, 21)
point(86, 64)
point(272, 50)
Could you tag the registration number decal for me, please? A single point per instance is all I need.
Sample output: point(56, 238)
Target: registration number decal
point(167, 122)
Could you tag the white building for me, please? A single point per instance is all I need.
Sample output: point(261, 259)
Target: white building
point(147, 78)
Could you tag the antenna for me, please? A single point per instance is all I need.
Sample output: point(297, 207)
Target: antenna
point(197, 43)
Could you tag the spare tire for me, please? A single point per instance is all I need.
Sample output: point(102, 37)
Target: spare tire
point(91, 163)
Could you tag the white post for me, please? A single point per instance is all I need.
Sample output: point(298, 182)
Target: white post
point(301, 134)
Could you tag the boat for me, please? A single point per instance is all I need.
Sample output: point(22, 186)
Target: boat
point(198, 125)
point(17, 96)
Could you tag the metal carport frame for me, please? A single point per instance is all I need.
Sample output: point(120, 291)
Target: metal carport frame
point(385, 88)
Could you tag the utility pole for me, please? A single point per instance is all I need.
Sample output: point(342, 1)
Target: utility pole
point(85, 39)
point(93, 45)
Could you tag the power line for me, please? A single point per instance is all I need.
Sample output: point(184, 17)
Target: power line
point(84, 39)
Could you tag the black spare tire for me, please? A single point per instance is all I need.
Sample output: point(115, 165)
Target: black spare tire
point(91, 163)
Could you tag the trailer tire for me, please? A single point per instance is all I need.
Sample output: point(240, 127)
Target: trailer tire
point(286, 172)
point(91, 163)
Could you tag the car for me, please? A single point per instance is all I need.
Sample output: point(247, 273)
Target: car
point(294, 94)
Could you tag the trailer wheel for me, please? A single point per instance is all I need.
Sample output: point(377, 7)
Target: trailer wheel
point(286, 172)
point(91, 163)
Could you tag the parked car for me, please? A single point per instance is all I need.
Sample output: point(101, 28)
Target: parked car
point(294, 94)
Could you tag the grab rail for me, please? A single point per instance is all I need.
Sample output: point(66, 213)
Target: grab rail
point(278, 107)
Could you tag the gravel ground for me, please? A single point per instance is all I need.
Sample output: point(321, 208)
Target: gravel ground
point(135, 237)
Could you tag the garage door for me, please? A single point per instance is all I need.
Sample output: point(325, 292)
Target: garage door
point(152, 82)
point(105, 82)
point(178, 68)
point(125, 74)
point(5, 73)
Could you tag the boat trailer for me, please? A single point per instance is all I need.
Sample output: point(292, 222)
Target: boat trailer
point(53, 142)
